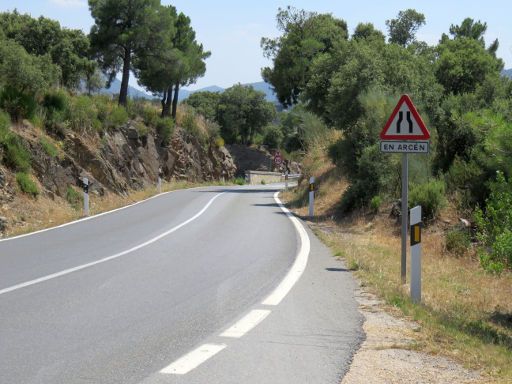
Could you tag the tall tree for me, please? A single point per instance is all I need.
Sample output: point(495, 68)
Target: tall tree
point(402, 30)
point(179, 63)
point(123, 30)
point(305, 36)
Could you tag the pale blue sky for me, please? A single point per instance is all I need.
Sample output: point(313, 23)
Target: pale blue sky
point(232, 29)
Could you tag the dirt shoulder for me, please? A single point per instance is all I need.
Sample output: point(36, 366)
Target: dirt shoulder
point(389, 355)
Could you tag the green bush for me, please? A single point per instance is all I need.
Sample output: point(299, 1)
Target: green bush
point(165, 129)
point(50, 148)
point(457, 242)
point(5, 123)
point(431, 197)
point(375, 203)
point(26, 184)
point(273, 136)
point(15, 155)
point(83, 114)
point(18, 104)
point(73, 197)
point(150, 116)
point(56, 101)
point(117, 117)
point(493, 226)
point(239, 181)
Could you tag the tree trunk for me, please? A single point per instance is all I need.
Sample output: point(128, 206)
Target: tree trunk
point(175, 100)
point(123, 93)
point(167, 107)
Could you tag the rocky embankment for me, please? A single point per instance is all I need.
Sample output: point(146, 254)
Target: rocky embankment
point(120, 161)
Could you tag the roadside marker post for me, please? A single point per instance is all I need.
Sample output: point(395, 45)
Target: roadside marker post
point(85, 185)
point(416, 225)
point(159, 182)
point(405, 132)
point(311, 197)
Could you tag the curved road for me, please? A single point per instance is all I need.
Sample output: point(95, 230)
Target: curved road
point(172, 290)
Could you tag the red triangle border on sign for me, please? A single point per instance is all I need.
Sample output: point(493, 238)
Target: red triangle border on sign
point(405, 99)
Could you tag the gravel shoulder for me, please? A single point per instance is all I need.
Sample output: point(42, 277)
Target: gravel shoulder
point(388, 353)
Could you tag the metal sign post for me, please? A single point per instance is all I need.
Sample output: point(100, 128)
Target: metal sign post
point(311, 197)
point(405, 202)
point(85, 182)
point(405, 132)
point(416, 254)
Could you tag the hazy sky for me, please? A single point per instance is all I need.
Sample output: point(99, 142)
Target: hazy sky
point(232, 29)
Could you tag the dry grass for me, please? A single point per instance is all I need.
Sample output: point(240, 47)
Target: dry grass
point(466, 313)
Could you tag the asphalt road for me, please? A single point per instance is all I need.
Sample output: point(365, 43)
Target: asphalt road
point(119, 297)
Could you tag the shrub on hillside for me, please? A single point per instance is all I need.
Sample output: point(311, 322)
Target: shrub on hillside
point(431, 197)
point(15, 155)
point(5, 123)
point(50, 148)
point(457, 241)
point(273, 136)
point(73, 197)
point(83, 115)
point(493, 226)
point(117, 117)
point(17, 104)
point(26, 184)
point(55, 101)
point(165, 129)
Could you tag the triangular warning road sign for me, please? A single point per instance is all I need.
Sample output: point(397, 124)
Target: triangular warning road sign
point(405, 123)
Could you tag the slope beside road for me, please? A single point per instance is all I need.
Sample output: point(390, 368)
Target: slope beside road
point(122, 297)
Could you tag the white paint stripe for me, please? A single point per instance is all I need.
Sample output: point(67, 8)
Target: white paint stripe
point(117, 255)
point(298, 266)
point(248, 322)
point(193, 359)
point(97, 215)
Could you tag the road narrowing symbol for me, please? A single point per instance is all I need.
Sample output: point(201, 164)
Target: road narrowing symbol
point(405, 123)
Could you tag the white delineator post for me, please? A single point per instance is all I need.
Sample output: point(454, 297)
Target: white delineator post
point(86, 196)
point(159, 182)
point(416, 254)
point(311, 197)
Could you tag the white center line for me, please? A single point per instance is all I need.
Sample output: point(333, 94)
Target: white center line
point(248, 322)
point(193, 359)
point(109, 258)
point(298, 266)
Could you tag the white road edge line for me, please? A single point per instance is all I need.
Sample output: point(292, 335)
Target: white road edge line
point(298, 266)
point(245, 324)
point(109, 258)
point(97, 215)
point(193, 359)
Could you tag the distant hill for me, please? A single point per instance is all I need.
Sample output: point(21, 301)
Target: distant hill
point(507, 72)
point(184, 93)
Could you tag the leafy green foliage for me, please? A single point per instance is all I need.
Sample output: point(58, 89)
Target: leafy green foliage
point(26, 184)
point(83, 115)
point(49, 147)
point(117, 117)
point(305, 36)
point(74, 198)
point(242, 113)
point(16, 156)
point(431, 197)
point(165, 129)
point(273, 136)
point(205, 103)
point(18, 104)
point(458, 242)
point(375, 203)
point(402, 30)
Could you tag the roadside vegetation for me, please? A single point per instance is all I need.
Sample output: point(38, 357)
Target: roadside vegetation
point(348, 84)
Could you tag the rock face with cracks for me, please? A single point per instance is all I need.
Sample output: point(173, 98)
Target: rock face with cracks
point(127, 161)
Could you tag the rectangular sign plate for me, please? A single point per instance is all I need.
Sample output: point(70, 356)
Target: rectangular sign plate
point(404, 146)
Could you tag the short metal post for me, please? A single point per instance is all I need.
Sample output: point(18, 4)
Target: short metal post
point(405, 198)
point(286, 180)
point(86, 195)
point(311, 197)
point(159, 182)
point(416, 254)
